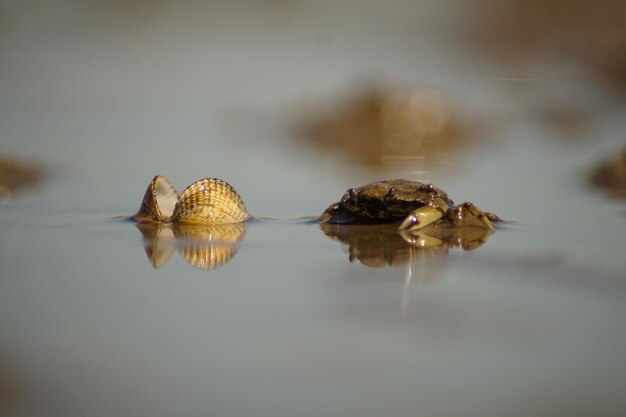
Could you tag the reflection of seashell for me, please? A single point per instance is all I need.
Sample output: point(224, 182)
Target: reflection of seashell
point(158, 202)
point(158, 242)
point(209, 201)
point(209, 246)
point(204, 246)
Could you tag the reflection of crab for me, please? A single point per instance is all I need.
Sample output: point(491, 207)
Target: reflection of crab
point(414, 204)
point(382, 245)
point(441, 237)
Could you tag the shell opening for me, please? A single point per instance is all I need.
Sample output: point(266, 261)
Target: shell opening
point(166, 198)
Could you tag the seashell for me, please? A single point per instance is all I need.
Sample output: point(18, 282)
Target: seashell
point(158, 202)
point(209, 201)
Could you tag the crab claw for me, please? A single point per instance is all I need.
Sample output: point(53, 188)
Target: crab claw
point(421, 218)
point(467, 214)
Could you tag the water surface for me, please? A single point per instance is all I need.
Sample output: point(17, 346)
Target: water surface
point(530, 323)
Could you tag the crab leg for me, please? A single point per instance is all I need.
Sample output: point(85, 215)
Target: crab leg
point(467, 214)
point(464, 215)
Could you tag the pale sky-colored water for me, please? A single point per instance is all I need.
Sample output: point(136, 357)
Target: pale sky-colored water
point(531, 323)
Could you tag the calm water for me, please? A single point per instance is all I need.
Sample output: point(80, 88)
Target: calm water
point(530, 323)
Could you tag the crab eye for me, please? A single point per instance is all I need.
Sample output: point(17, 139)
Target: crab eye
point(353, 193)
point(430, 188)
point(390, 194)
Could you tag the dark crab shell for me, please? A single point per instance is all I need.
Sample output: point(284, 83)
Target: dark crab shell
point(385, 201)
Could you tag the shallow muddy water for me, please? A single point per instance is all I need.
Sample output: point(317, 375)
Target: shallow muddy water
point(291, 321)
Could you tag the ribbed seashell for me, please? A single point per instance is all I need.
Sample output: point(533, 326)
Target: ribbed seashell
point(158, 202)
point(209, 246)
point(209, 201)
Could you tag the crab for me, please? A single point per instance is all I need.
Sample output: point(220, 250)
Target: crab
point(413, 204)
